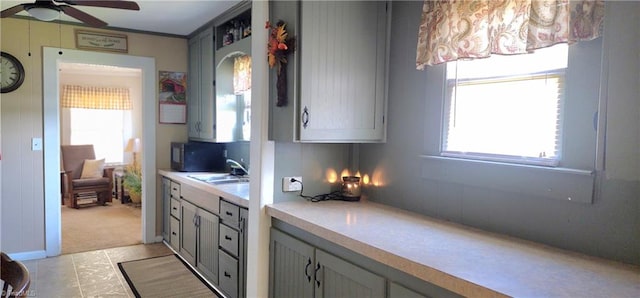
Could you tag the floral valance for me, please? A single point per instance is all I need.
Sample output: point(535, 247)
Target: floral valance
point(241, 74)
point(453, 29)
point(105, 98)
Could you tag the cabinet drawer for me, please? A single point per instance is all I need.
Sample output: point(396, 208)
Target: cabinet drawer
point(229, 240)
point(228, 274)
point(175, 208)
point(175, 234)
point(175, 190)
point(229, 213)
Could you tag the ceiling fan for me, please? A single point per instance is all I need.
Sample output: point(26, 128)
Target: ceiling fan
point(49, 10)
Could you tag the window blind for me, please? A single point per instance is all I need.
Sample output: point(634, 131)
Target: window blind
point(515, 118)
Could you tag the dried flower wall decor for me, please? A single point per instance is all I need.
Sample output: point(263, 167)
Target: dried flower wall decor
point(279, 47)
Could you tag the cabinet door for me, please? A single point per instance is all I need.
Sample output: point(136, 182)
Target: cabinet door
point(398, 291)
point(200, 103)
point(166, 209)
point(206, 85)
point(228, 275)
point(193, 88)
point(242, 258)
point(188, 231)
point(343, 71)
point(335, 277)
point(290, 267)
point(175, 233)
point(207, 259)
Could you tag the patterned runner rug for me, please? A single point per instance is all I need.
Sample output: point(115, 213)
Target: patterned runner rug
point(166, 276)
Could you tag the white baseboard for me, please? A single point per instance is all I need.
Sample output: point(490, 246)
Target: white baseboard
point(29, 255)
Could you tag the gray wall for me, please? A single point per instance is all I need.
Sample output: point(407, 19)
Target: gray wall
point(609, 227)
point(315, 163)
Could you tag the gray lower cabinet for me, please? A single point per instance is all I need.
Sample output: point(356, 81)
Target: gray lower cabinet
point(207, 260)
point(188, 232)
point(298, 269)
point(166, 212)
point(233, 250)
point(171, 213)
point(199, 239)
point(396, 290)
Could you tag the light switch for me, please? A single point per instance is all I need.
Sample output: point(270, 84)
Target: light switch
point(36, 144)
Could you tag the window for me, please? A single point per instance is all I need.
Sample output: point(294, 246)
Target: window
point(105, 129)
point(506, 108)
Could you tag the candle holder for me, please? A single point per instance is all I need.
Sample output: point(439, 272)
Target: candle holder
point(350, 190)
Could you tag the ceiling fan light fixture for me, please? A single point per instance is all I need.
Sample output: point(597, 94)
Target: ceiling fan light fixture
point(44, 13)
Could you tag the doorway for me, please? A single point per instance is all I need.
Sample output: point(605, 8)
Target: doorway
point(101, 105)
point(51, 120)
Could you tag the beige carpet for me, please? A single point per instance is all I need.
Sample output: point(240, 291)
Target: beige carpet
point(99, 227)
point(164, 276)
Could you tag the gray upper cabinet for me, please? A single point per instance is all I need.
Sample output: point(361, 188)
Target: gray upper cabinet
point(232, 66)
point(218, 110)
point(342, 70)
point(339, 88)
point(200, 100)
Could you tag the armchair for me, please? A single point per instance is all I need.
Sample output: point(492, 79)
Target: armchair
point(15, 279)
point(73, 161)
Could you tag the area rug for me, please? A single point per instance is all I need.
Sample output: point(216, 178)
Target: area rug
point(166, 276)
point(100, 227)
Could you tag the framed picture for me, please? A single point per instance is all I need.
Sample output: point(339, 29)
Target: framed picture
point(111, 42)
point(172, 97)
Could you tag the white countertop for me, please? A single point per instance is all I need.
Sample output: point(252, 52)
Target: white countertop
point(237, 193)
point(466, 261)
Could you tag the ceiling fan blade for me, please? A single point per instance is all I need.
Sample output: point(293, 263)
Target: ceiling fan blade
point(11, 11)
point(120, 4)
point(82, 16)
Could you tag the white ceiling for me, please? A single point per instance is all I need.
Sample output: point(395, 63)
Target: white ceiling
point(179, 17)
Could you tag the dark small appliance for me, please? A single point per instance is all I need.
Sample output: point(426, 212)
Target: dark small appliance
point(197, 157)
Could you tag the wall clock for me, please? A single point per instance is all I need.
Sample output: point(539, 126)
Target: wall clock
point(11, 72)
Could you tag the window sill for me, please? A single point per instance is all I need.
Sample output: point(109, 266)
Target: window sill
point(565, 184)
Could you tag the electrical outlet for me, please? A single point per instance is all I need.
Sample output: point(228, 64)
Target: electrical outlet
point(291, 184)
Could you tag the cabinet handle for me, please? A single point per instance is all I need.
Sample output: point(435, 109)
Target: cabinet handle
point(315, 277)
point(196, 220)
point(228, 213)
point(174, 233)
point(227, 237)
point(306, 270)
point(226, 274)
point(175, 208)
point(305, 117)
point(242, 221)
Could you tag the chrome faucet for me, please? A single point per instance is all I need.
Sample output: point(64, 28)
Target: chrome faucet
point(237, 168)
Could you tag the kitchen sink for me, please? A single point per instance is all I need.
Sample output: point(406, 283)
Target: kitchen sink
point(219, 178)
point(209, 176)
point(226, 180)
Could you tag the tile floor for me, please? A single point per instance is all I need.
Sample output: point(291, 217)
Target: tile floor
point(88, 274)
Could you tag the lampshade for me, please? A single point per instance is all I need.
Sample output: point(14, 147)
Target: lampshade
point(43, 13)
point(133, 145)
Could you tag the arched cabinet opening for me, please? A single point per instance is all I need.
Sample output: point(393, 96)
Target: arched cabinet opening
point(233, 93)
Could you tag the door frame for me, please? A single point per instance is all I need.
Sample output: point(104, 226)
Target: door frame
point(51, 137)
